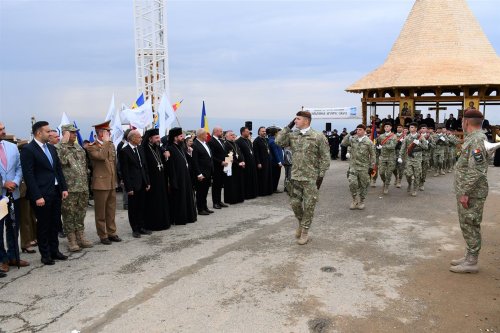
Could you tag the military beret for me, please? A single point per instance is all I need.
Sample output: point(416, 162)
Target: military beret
point(473, 114)
point(69, 127)
point(413, 124)
point(305, 114)
point(422, 125)
point(388, 123)
point(361, 126)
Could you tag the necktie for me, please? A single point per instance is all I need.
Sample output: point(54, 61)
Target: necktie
point(3, 157)
point(47, 153)
point(138, 156)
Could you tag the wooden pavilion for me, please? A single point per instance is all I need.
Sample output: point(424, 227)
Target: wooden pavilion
point(441, 59)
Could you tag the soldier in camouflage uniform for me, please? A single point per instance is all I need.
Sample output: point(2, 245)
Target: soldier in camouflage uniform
point(74, 166)
point(471, 189)
point(311, 159)
point(361, 163)
point(453, 142)
point(430, 131)
point(375, 173)
point(386, 145)
point(439, 142)
point(426, 156)
point(411, 154)
point(399, 170)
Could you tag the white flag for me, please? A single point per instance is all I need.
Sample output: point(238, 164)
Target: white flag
point(116, 129)
point(166, 115)
point(141, 117)
point(111, 109)
point(64, 121)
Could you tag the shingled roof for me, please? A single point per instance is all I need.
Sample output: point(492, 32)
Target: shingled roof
point(441, 44)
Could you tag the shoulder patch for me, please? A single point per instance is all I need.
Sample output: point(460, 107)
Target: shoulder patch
point(478, 155)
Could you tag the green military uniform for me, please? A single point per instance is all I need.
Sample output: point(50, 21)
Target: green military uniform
point(386, 145)
point(400, 167)
point(74, 166)
point(411, 153)
point(439, 142)
point(362, 151)
point(453, 142)
point(471, 180)
point(311, 159)
point(426, 161)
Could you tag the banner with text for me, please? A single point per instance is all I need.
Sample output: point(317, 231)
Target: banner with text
point(334, 113)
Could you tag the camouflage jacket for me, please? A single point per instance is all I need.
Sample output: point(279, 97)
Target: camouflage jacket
point(311, 153)
point(74, 166)
point(426, 153)
point(453, 141)
point(388, 151)
point(362, 152)
point(439, 144)
point(416, 154)
point(472, 167)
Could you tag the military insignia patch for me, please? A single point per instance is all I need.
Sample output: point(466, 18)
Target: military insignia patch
point(478, 156)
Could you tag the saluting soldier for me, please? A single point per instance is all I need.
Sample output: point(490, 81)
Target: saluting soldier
point(471, 189)
point(386, 145)
point(400, 167)
point(439, 141)
point(361, 151)
point(411, 154)
point(74, 166)
point(103, 156)
point(311, 159)
point(453, 142)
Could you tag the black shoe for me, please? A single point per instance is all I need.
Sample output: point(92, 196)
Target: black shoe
point(145, 232)
point(105, 241)
point(115, 238)
point(2, 275)
point(48, 261)
point(223, 204)
point(217, 206)
point(209, 211)
point(61, 234)
point(59, 256)
point(203, 212)
point(278, 191)
point(136, 234)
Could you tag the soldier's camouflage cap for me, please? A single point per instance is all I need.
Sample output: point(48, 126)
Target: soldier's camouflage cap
point(69, 127)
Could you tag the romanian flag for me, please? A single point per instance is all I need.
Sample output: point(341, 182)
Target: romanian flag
point(204, 121)
point(139, 102)
point(176, 105)
point(373, 134)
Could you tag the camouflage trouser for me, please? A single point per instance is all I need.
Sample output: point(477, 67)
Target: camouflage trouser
point(438, 159)
point(425, 168)
point(470, 223)
point(386, 167)
point(452, 158)
point(303, 198)
point(413, 170)
point(399, 170)
point(73, 210)
point(359, 180)
point(431, 158)
point(446, 157)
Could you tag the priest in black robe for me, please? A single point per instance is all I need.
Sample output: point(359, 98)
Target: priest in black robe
point(234, 185)
point(157, 203)
point(263, 161)
point(182, 208)
point(250, 171)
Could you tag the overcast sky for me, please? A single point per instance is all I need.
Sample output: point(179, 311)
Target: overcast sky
point(249, 60)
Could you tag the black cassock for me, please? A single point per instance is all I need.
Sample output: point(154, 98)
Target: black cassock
point(182, 208)
point(234, 185)
point(263, 157)
point(250, 171)
point(157, 203)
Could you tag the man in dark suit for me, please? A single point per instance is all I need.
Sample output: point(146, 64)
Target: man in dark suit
point(136, 181)
point(46, 187)
point(203, 169)
point(219, 154)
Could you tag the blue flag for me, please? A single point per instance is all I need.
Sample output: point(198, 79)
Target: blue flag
point(78, 135)
point(91, 136)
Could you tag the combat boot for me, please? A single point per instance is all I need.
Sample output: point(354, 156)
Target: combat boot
point(386, 189)
point(421, 188)
point(298, 232)
point(72, 245)
point(408, 189)
point(398, 183)
point(303, 237)
point(81, 240)
point(468, 266)
point(354, 203)
point(456, 262)
point(361, 204)
point(436, 173)
point(442, 172)
point(372, 183)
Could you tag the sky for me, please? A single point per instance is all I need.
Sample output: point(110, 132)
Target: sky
point(248, 60)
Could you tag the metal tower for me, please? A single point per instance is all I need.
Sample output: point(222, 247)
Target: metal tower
point(151, 57)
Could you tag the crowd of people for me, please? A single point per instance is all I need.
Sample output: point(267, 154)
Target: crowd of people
point(165, 181)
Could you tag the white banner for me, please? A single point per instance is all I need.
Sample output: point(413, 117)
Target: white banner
point(334, 113)
point(140, 117)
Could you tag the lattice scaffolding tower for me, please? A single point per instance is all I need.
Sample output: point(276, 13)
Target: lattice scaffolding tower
point(151, 57)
